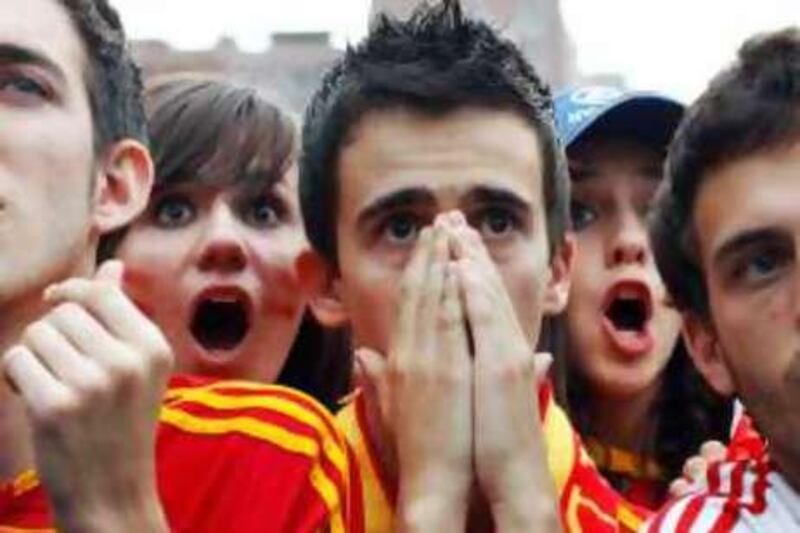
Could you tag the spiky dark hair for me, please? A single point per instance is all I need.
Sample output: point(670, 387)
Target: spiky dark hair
point(435, 62)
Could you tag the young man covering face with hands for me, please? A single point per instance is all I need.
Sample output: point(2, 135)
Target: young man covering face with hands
point(432, 185)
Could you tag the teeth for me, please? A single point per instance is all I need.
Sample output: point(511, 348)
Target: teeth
point(223, 300)
point(629, 294)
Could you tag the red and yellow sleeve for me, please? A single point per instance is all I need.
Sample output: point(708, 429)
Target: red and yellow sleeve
point(24, 507)
point(587, 502)
point(241, 456)
point(376, 501)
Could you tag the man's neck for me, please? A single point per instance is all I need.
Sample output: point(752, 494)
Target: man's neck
point(16, 449)
point(16, 452)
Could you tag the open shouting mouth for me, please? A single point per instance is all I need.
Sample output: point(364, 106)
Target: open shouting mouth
point(627, 309)
point(221, 319)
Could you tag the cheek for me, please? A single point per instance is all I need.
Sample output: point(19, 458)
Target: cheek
point(275, 264)
point(152, 268)
point(275, 258)
point(760, 346)
point(369, 288)
point(525, 280)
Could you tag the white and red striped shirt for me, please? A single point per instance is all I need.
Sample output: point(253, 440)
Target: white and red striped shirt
point(739, 496)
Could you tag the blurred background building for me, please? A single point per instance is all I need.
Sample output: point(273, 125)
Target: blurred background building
point(291, 67)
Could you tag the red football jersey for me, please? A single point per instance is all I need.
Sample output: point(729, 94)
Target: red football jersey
point(587, 502)
point(232, 456)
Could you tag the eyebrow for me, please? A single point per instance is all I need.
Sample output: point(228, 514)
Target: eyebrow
point(414, 196)
point(493, 195)
point(12, 54)
point(745, 239)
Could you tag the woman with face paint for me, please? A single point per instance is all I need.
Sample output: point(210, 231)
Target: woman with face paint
point(630, 387)
point(220, 259)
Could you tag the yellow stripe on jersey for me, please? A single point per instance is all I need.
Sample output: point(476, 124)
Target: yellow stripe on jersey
point(24, 482)
point(378, 512)
point(576, 500)
point(330, 446)
point(249, 386)
point(274, 434)
point(630, 520)
point(561, 453)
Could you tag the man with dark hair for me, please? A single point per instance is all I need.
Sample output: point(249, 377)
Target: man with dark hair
point(84, 371)
point(726, 236)
point(434, 188)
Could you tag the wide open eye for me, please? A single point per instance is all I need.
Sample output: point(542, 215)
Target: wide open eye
point(496, 223)
point(263, 212)
point(581, 214)
point(400, 229)
point(174, 211)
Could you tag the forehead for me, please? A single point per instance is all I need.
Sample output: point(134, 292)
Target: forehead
point(449, 153)
point(43, 26)
point(756, 192)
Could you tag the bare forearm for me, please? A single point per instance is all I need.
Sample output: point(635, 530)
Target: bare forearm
point(431, 512)
point(525, 500)
point(137, 509)
point(532, 513)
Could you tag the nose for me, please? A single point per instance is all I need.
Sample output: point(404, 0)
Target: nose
point(629, 244)
point(221, 247)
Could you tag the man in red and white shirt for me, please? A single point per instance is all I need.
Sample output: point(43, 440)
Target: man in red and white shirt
point(726, 236)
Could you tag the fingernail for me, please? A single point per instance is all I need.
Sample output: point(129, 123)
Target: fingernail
point(49, 292)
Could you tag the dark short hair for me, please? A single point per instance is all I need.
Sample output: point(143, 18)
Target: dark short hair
point(112, 77)
point(750, 108)
point(436, 62)
point(209, 131)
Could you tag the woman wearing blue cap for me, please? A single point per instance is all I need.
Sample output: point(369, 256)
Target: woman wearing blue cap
point(629, 385)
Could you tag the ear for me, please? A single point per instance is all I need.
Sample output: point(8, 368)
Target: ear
point(561, 264)
point(707, 353)
point(318, 278)
point(122, 187)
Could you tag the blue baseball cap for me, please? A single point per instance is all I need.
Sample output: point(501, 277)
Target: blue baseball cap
point(647, 116)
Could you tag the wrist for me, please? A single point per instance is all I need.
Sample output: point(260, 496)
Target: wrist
point(431, 510)
point(534, 512)
point(135, 508)
point(523, 498)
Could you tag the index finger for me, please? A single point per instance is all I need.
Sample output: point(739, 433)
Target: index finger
point(407, 298)
point(112, 308)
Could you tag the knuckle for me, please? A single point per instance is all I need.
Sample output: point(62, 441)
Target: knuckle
point(64, 312)
point(126, 371)
point(156, 350)
point(53, 413)
point(94, 386)
point(101, 291)
point(449, 319)
point(33, 331)
point(518, 366)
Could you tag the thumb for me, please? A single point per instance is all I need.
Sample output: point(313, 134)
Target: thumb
point(370, 369)
point(542, 362)
point(111, 271)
